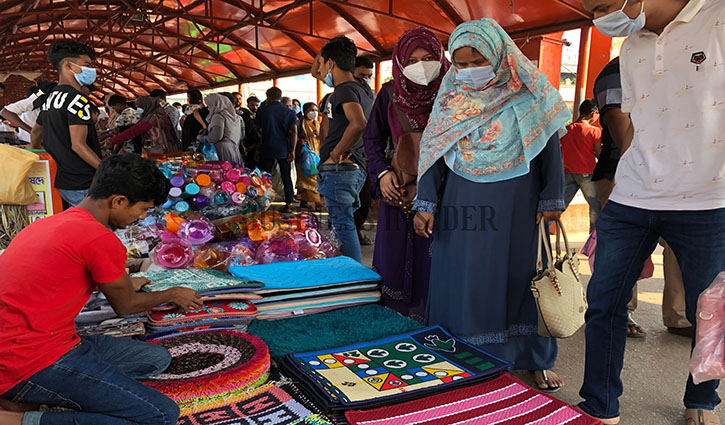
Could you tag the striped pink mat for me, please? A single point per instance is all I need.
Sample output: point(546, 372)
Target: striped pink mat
point(502, 401)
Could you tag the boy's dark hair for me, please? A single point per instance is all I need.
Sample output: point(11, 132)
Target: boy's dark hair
point(364, 62)
point(131, 104)
point(176, 104)
point(252, 99)
point(67, 49)
point(274, 94)
point(158, 93)
point(94, 109)
point(342, 51)
point(195, 97)
point(129, 175)
point(117, 99)
point(587, 107)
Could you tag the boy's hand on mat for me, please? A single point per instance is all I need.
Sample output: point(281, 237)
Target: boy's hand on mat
point(139, 282)
point(423, 224)
point(185, 298)
point(548, 216)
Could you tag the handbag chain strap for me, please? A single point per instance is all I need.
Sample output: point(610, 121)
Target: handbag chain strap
point(544, 240)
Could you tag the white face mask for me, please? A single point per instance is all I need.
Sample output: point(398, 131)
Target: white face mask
point(477, 77)
point(312, 115)
point(619, 24)
point(422, 72)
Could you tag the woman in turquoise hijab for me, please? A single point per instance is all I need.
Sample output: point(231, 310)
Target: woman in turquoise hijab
point(490, 168)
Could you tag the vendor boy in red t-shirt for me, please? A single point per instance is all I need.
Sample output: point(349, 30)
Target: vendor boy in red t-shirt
point(47, 274)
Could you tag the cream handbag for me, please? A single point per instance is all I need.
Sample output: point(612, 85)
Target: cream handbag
point(560, 297)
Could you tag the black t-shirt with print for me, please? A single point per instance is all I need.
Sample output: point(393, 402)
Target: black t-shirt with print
point(66, 106)
point(353, 91)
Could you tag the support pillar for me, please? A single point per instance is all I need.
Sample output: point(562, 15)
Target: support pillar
point(378, 76)
point(582, 74)
point(319, 91)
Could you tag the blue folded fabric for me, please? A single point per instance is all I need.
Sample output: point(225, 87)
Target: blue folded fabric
point(306, 274)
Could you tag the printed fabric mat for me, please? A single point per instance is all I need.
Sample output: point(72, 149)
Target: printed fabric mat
point(306, 274)
point(393, 369)
point(267, 405)
point(210, 365)
point(202, 281)
point(208, 310)
point(504, 400)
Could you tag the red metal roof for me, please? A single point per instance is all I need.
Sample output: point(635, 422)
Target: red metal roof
point(179, 44)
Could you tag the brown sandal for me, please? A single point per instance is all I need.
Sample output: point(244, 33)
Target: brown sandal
point(701, 417)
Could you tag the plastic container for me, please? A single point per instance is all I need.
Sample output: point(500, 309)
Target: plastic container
point(191, 189)
point(173, 254)
point(177, 181)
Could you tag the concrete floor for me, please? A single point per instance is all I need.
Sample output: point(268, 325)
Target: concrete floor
point(655, 368)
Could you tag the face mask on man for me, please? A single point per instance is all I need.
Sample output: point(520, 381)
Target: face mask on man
point(312, 115)
point(422, 72)
point(619, 24)
point(477, 77)
point(139, 111)
point(86, 77)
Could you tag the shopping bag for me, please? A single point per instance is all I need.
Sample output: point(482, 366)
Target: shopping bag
point(590, 247)
point(15, 188)
point(309, 160)
point(209, 151)
point(708, 357)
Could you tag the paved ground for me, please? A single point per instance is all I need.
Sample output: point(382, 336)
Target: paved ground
point(655, 368)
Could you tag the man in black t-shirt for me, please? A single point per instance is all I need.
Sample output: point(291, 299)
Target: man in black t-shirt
point(342, 155)
point(68, 131)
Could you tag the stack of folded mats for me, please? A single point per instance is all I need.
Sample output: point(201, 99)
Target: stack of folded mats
point(504, 400)
point(211, 313)
point(227, 300)
point(299, 288)
point(387, 371)
point(268, 404)
point(98, 318)
point(209, 367)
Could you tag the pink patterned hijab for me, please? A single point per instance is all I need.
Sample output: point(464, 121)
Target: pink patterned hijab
point(414, 99)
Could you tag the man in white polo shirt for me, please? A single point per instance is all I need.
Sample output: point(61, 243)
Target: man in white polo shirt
point(669, 183)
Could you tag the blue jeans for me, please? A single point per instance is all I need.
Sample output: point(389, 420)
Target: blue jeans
point(97, 378)
point(574, 182)
point(626, 237)
point(341, 190)
point(73, 197)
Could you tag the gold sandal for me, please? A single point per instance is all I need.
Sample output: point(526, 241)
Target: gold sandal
point(701, 417)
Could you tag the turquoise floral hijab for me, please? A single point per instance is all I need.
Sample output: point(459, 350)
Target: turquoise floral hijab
point(492, 134)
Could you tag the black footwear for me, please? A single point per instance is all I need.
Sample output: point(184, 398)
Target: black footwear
point(681, 331)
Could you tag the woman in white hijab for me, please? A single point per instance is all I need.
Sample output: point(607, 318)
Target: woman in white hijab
point(225, 128)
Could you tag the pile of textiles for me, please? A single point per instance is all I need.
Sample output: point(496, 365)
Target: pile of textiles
point(210, 367)
point(388, 371)
point(299, 288)
point(225, 312)
point(227, 300)
point(269, 404)
point(98, 318)
point(504, 400)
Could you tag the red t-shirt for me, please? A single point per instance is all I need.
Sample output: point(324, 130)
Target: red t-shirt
point(47, 275)
point(577, 148)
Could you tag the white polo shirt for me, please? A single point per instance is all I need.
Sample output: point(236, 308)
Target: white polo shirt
point(24, 109)
point(674, 87)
